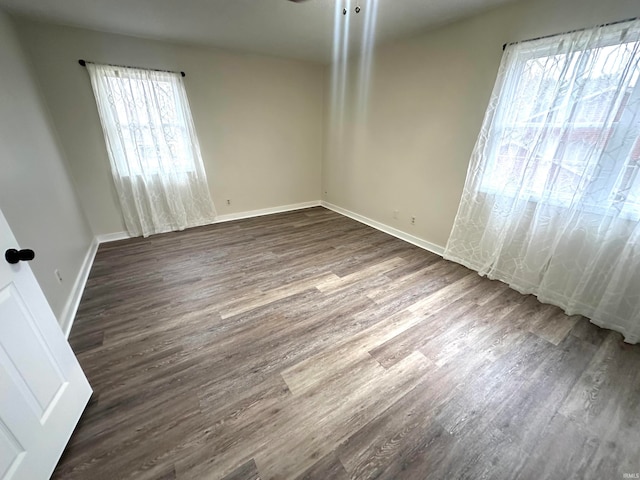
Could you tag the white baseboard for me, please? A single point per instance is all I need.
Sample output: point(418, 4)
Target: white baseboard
point(266, 211)
point(419, 242)
point(112, 237)
point(71, 307)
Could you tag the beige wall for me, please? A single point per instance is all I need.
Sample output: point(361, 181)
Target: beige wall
point(428, 97)
point(259, 119)
point(36, 193)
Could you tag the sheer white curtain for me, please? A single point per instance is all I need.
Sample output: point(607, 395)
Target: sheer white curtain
point(153, 149)
point(551, 204)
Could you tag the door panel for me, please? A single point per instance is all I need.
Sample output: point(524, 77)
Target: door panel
point(11, 452)
point(43, 390)
point(31, 360)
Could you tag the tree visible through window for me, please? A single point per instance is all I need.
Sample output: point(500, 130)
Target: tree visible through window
point(562, 111)
point(143, 125)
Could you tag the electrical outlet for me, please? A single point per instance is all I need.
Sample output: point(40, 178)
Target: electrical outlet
point(413, 220)
point(395, 214)
point(58, 275)
point(228, 202)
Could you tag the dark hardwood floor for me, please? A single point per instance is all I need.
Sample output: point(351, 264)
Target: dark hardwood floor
point(308, 346)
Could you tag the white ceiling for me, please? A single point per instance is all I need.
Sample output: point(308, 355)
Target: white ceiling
point(275, 27)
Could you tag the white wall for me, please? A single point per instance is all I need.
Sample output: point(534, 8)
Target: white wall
point(428, 97)
point(36, 193)
point(258, 119)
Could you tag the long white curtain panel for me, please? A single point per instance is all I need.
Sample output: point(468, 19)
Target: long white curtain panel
point(551, 204)
point(153, 149)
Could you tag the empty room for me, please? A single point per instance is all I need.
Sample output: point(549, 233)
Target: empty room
point(319, 239)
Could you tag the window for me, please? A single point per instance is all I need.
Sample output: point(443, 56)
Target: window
point(153, 149)
point(551, 201)
point(566, 127)
point(147, 113)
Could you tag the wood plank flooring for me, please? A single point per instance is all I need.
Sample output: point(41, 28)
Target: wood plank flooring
point(308, 346)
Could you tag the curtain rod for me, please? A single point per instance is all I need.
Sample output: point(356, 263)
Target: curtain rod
point(571, 31)
point(84, 64)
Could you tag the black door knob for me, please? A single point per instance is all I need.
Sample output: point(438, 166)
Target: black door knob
point(14, 256)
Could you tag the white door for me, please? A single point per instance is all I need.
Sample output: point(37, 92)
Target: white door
point(43, 391)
